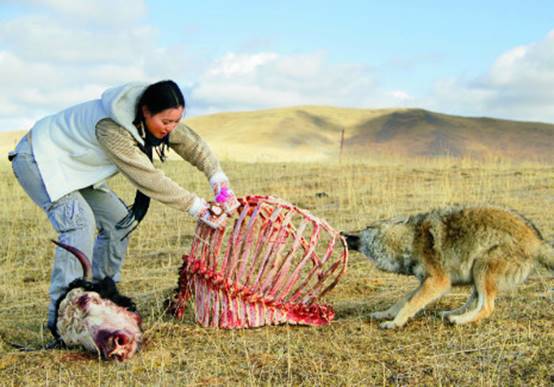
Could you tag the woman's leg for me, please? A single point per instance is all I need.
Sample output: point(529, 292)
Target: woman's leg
point(71, 217)
point(109, 248)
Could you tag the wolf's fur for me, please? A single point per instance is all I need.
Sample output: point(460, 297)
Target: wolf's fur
point(490, 248)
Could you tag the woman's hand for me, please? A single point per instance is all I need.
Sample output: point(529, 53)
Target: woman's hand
point(209, 213)
point(213, 215)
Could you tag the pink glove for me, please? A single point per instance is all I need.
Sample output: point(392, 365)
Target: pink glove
point(225, 197)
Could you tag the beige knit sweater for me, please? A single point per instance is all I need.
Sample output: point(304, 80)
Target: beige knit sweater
point(125, 153)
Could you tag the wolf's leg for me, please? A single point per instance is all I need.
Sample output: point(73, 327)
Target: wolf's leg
point(470, 301)
point(393, 310)
point(484, 278)
point(430, 290)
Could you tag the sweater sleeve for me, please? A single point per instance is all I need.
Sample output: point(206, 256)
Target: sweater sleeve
point(126, 154)
point(190, 146)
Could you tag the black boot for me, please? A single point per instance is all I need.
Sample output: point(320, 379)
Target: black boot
point(57, 342)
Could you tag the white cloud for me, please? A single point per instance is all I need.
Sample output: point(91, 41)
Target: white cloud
point(103, 12)
point(268, 79)
point(36, 38)
point(62, 52)
point(519, 85)
point(400, 95)
point(235, 65)
point(58, 53)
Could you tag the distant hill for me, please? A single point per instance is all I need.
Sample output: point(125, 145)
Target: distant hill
point(313, 133)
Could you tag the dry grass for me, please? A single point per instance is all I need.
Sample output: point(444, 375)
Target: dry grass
point(8, 141)
point(515, 346)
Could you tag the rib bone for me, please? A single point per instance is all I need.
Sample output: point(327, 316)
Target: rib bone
point(270, 267)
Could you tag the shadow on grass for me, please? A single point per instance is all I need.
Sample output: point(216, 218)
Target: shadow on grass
point(346, 311)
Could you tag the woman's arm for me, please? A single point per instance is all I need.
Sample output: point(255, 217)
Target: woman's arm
point(125, 153)
point(192, 148)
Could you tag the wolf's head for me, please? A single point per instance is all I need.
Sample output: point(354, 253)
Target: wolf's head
point(388, 243)
point(363, 240)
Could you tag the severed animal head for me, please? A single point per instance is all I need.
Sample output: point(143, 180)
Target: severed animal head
point(95, 316)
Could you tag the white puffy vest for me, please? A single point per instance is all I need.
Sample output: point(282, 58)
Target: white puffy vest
point(65, 146)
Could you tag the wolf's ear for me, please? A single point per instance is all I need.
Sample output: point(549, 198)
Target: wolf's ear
point(352, 241)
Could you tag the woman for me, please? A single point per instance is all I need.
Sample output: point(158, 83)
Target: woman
point(64, 160)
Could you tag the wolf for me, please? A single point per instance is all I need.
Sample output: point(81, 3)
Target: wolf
point(492, 249)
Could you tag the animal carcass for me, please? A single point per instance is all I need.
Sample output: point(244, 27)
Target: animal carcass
point(96, 316)
point(271, 267)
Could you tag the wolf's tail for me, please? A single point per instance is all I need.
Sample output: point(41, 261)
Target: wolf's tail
point(546, 255)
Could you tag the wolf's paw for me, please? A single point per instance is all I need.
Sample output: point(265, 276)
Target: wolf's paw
point(445, 315)
point(389, 325)
point(453, 319)
point(381, 315)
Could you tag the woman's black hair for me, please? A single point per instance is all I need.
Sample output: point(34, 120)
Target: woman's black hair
point(156, 98)
point(159, 96)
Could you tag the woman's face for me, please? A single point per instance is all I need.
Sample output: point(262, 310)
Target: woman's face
point(162, 123)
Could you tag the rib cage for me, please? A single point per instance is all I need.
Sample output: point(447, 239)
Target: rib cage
point(271, 267)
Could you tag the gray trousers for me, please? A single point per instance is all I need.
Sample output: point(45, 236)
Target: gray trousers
point(84, 219)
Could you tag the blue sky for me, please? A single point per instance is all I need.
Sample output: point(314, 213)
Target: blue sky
point(488, 58)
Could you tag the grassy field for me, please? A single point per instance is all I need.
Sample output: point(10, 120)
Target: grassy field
point(514, 347)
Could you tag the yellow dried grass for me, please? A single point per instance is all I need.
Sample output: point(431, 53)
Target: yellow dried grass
point(514, 346)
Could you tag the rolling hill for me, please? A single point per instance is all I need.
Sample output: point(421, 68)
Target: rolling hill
point(313, 133)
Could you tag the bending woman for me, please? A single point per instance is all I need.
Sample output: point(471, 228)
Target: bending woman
point(63, 161)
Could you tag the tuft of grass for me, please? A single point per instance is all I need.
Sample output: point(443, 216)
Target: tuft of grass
point(513, 346)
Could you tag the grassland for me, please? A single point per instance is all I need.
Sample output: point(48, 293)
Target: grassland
point(514, 347)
